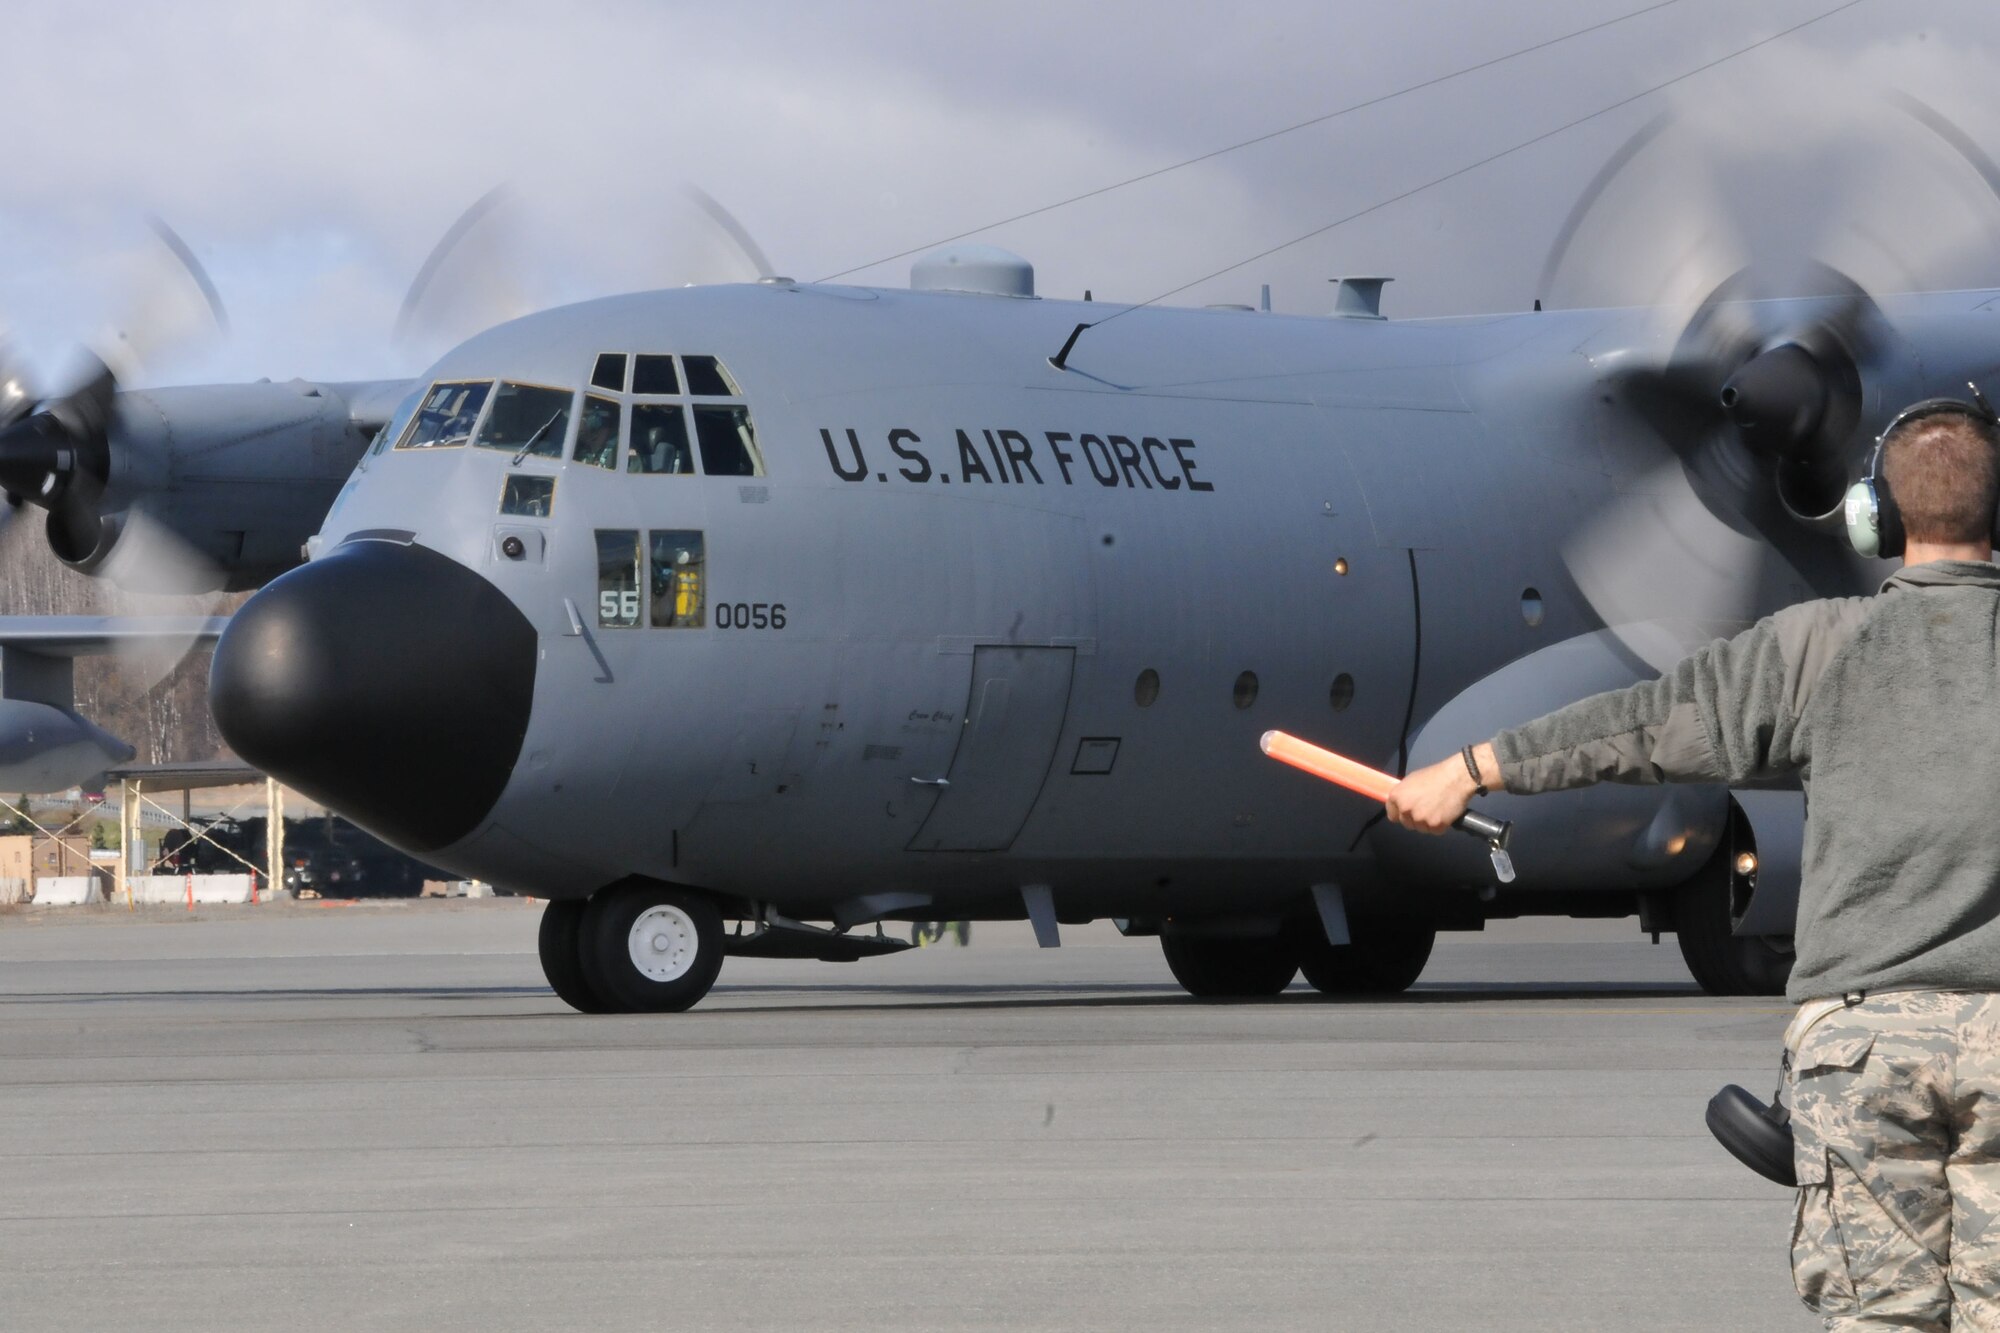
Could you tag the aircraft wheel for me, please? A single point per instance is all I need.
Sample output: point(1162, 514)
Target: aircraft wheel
point(1385, 958)
point(1723, 962)
point(1228, 969)
point(561, 946)
point(651, 948)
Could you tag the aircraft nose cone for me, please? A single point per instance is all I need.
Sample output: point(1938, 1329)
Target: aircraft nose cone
point(387, 682)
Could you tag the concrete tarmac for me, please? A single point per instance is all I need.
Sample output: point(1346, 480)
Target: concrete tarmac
point(297, 1117)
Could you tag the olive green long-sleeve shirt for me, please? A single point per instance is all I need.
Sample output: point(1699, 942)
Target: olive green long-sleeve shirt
point(1888, 709)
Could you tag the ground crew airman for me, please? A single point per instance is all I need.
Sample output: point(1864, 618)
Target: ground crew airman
point(1888, 708)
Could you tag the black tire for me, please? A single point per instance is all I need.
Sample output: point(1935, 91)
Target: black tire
point(687, 944)
point(1385, 958)
point(1230, 969)
point(1725, 963)
point(560, 943)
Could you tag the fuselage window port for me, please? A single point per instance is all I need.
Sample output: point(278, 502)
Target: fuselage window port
point(654, 374)
point(659, 440)
point(679, 580)
point(527, 419)
point(1531, 606)
point(1245, 692)
point(447, 415)
point(609, 372)
point(1342, 693)
point(728, 444)
point(528, 496)
point(597, 432)
point(1146, 689)
point(709, 378)
point(617, 579)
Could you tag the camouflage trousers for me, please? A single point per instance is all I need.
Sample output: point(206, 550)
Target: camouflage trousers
point(1896, 1128)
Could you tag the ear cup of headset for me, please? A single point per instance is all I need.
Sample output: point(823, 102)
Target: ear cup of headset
point(1874, 527)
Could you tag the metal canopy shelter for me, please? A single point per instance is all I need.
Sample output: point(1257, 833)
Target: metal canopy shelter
point(135, 781)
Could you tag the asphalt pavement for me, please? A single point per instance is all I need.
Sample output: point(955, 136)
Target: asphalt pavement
point(377, 1117)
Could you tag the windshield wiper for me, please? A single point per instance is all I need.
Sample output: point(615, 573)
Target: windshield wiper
point(536, 438)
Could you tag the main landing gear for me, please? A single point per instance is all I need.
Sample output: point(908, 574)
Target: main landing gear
point(1387, 956)
point(632, 948)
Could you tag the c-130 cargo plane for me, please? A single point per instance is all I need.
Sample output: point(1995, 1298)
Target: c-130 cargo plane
point(809, 607)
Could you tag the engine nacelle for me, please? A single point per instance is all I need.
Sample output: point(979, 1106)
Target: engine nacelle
point(1612, 837)
point(45, 748)
point(214, 487)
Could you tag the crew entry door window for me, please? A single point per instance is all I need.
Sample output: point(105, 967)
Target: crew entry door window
point(679, 579)
point(618, 579)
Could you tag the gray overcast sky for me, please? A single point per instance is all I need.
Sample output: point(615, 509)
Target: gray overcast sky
point(311, 154)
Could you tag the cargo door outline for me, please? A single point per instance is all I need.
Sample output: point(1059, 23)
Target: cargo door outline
point(1014, 717)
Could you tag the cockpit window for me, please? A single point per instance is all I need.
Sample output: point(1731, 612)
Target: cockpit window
point(393, 427)
point(597, 433)
point(447, 415)
point(527, 419)
point(609, 372)
point(659, 439)
point(709, 378)
point(728, 445)
point(654, 374)
point(528, 495)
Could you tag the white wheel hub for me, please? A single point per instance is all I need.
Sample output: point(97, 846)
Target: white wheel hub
point(663, 943)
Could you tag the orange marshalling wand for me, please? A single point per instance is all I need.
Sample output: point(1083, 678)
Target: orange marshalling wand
point(1376, 785)
point(1335, 768)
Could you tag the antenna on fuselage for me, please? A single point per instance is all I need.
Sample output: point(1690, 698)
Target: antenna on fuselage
point(1060, 357)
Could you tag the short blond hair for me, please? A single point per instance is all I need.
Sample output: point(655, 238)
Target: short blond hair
point(1944, 472)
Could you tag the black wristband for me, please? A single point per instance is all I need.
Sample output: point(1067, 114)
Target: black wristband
point(1472, 767)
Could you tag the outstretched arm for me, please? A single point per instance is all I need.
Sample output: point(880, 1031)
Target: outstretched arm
point(1727, 713)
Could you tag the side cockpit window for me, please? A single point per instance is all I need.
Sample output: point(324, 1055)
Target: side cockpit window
point(698, 430)
point(659, 439)
point(597, 432)
point(447, 415)
point(709, 378)
point(728, 446)
point(527, 420)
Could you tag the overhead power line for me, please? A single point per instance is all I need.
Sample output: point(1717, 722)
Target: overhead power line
point(1261, 138)
point(1488, 160)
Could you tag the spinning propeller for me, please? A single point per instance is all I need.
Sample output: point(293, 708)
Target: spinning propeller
point(1761, 255)
point(61, 454)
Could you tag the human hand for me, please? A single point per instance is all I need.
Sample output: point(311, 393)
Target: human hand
point(1433, 798)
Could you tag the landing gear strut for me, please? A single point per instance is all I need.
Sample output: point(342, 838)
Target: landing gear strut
point(632, 948)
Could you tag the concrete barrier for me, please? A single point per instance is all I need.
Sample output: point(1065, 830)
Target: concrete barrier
point(13, 891)
point(65, 890)
point(209, 890)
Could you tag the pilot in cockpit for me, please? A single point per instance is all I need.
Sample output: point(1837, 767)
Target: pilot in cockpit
point(597, 437)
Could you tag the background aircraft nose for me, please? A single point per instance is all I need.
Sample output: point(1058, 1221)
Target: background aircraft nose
point(385, 681)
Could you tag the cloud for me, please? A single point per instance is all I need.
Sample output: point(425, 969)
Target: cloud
point(312, 155)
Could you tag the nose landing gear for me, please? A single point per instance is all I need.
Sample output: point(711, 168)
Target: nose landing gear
point(632, 948)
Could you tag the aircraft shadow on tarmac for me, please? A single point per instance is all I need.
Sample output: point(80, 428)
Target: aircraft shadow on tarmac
point(918, 997)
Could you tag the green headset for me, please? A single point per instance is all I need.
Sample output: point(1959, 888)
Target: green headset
point(1874, 524)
